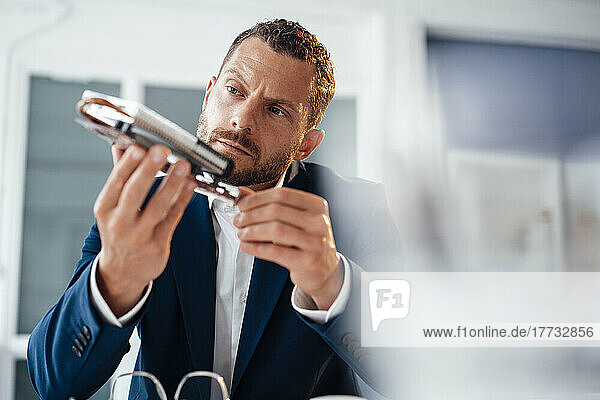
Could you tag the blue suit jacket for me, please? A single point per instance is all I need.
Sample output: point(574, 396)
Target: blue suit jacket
point(281, 354)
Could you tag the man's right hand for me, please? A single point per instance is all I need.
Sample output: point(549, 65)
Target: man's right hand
point(136, 243)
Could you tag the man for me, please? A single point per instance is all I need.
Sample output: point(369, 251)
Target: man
point(259, 293)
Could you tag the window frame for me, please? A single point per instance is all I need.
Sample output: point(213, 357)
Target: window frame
point(13, 346)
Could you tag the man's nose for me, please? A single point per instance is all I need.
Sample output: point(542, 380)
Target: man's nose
point(244, 117)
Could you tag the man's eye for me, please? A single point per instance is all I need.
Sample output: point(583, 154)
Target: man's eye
point(232, 90)
point(276, 111)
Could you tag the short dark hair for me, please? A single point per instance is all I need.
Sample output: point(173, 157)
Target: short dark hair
point(292, 39)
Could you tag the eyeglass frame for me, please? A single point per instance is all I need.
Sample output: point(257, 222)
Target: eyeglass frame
point(161, 390)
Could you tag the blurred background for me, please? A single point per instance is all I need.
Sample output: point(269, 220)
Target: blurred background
point(482, 118)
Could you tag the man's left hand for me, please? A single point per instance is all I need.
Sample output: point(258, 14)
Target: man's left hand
point(292, 228)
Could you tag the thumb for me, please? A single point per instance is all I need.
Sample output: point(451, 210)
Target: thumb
point(244, 191)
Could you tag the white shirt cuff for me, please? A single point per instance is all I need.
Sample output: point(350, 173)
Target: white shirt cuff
point(305, 305)
point(103, 308)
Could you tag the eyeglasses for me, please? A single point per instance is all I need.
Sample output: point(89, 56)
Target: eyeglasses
point(160, 391)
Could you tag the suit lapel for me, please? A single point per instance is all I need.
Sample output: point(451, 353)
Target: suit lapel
point(193, 255)
point(267, 282)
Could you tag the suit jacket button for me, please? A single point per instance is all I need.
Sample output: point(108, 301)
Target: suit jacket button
point(358, 353)
point(82, 339)
point(76, 351)
point(347, 338)
point(352, 346)
point(78, 345)
point(86, 332)
point(364, 358)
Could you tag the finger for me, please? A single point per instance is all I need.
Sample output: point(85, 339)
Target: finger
point(117, 153)
point(164, 230)
point(288, 196)
point(139, 183)
point(245, 191)
point(110, 193)
point(159, 204)
point(282, 255)
point(282, 234)
point(307, 221)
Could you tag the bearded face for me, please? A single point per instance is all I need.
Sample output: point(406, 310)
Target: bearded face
point(256, 112)
point(261, 168)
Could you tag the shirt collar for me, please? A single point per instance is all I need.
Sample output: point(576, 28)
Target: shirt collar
point(221, 203)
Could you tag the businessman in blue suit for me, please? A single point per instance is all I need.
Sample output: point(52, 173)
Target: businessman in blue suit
point(265, 293)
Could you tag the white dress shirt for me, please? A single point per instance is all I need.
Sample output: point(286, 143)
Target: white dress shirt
point(234, 270)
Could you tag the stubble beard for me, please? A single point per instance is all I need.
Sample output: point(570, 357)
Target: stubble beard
point(261, 171)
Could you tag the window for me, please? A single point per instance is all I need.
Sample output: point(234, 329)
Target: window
point(66, 168)
point(524, 114)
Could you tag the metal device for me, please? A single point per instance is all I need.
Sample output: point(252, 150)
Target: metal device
point(124, 123)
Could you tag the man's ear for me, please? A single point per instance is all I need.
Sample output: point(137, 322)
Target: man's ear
point(311, 141)
point(209, 88)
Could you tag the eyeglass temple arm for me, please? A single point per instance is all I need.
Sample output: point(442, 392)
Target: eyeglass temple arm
point(213, 375)
point(161, 391)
